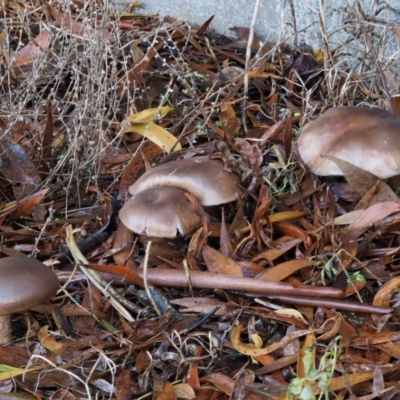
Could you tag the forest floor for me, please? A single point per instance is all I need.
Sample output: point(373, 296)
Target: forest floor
point(90, 99)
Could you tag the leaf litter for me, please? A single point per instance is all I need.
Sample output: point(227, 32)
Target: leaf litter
point(291, 292)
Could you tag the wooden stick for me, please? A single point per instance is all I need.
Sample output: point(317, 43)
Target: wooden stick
point(206, 280)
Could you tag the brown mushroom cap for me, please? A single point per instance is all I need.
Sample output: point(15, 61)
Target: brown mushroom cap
point(366, 137)
point(204, 178)
point(25, 283)
point(160, 212)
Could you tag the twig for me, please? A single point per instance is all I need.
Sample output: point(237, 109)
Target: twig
point(350, 306)
point(146, 283)
point(246, 68)
point(378, 66)
point(206, 280)
point(95, 277)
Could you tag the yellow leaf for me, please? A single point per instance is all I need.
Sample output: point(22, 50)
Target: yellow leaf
point(15, 372)
point(319, 55)
point(286, 215)
point(258, 342)
point(149, 115)
point(251, 350)
point(157, 135)
point(290, 312)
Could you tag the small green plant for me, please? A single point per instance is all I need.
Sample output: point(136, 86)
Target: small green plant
point(280, 177)
point(194, 74)
point(328, 269)
point(304, 388)
point(356, 276)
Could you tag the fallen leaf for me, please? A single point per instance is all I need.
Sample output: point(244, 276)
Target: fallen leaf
point(282, 271)
point(48, 341)
point(149, 115)
point(184, 391)
point(372, 215)
point(10, 372)
point(362, 181)
point(123, 385)
point(18, 168)
point(168, 392)
point(217, 263)
point(27, 205)
point(28, 53)
point(308, 348)
point(221, 381)
point(251, 350)
point(157, 135)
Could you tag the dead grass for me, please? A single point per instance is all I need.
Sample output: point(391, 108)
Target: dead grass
point(71, 75)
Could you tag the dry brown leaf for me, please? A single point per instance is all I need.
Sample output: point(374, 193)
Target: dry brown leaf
point(13, 356)
point(200, 31)
point(282, 245)
point(217, 263)
point(48, 341)
point(373, 215)
point(202, 305)
point(18, 168)
point(229, 122)
point(347, 380)
point(374, 338)
point(334, 325)
point(222, 382)
point(309, 342)
point(282, 271)
point(47, 160)
point(390, 349)
point(362, 181)
point(396, 102)
point(122, 241)
point(384, 295)
point(27, 205)
point(28, 53)
point(124, 385)
point(142, 361)
point(168, 392)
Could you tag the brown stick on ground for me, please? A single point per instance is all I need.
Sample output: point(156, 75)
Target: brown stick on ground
point(207, 280)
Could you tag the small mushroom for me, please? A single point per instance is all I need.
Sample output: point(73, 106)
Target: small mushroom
point(206, 179)
point(368, 138)
point(24, 283)
point(160, 212)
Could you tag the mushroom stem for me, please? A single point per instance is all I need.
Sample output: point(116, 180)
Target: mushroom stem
point(5, 329)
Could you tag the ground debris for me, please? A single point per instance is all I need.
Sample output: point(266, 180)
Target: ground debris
point(290, 290)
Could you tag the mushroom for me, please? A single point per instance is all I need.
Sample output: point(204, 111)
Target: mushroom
point(160, 212)
point(368, 138)
point(25, 283)
point(206, 179)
